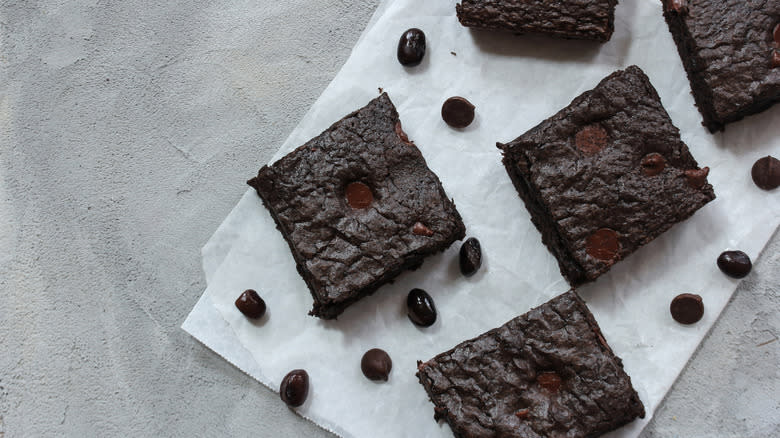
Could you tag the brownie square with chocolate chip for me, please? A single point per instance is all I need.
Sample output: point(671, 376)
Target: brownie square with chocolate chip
point(547, 373)
point(570, 19)
point(731, 52)
point(605, 175)
point(357, 205)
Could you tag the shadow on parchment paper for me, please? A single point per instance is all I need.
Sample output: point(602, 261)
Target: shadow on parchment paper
point(389, 301)
point(755, 130)
point(535, 46)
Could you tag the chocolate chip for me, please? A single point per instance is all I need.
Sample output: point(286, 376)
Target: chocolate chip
point(549, 380)
point(470, 257)
point(697, 177)
point(421, 230)
point(603, 245)
point(411, 47)
point(420, 308)
point(399, 131)
point(376, 364)
point(766, 172)
point(591, 139)
point(687, 308)
point(250, 304)
point(522, 413)
point(653, 164)
point(359, 195)
point(601, 339)
point(679, 6)
point(294, 388)
point(457, 112)
point(775, 58)
point(775, 34)
point(734, 263)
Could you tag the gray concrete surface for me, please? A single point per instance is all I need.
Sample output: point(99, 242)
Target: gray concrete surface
point(127, 129)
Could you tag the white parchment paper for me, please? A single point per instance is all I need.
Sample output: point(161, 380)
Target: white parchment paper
point(515, 82)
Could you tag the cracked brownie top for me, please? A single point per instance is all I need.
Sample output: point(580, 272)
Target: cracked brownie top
point(731, 52)
point(572, 19)
point(547, 373)
point(606, 175)
point(357, 205)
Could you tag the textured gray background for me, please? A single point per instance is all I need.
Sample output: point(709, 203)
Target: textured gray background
point(127, 131)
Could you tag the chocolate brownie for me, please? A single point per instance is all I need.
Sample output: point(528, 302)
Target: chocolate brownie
point(571, 19)
point(548, 373)
point(351, 204)
point(606, 175)
point(729, 49)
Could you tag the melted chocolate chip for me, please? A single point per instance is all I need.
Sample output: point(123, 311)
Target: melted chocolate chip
point(399, 131)
point(697, 177)
point(359, 195)
point(522, 413)
point(376, 364)
point(775, 34)
point(687, 308)
point(679, 6)
point(601, 339)
point(294, 388)
point(734, 263)
point(457, 112)
point(420, 308)
point(775, 58)
point(591, 139)
point(549, 380)
point(603, 245)
point(470, 257)
point(250, 304)
point(411, 47)
point(421, 230)
point(653, 164)
point(766, 172)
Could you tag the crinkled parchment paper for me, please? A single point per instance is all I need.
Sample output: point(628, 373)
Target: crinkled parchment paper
point(515, 82)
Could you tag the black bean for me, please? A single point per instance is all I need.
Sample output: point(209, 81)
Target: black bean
point(411, 47)
point(470, 257)
point(734, 263)
point(250, 304)
point(420, 307)
point(294, 388)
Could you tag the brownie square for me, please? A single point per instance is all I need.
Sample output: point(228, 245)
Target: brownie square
point(547, 373)
point(357, 205)
point(605, 175)
point(729, 49)
point(571, 19)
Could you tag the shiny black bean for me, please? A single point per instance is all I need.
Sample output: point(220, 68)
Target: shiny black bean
point(734, 263)
point(294, 388)
point(420, 308)
point(411, 47)
point(470, 257)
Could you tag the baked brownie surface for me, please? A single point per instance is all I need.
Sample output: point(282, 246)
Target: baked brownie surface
point(605, 175)
point(573, 19)
point(345, 252)
point(727, 48)
point(548, 373)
